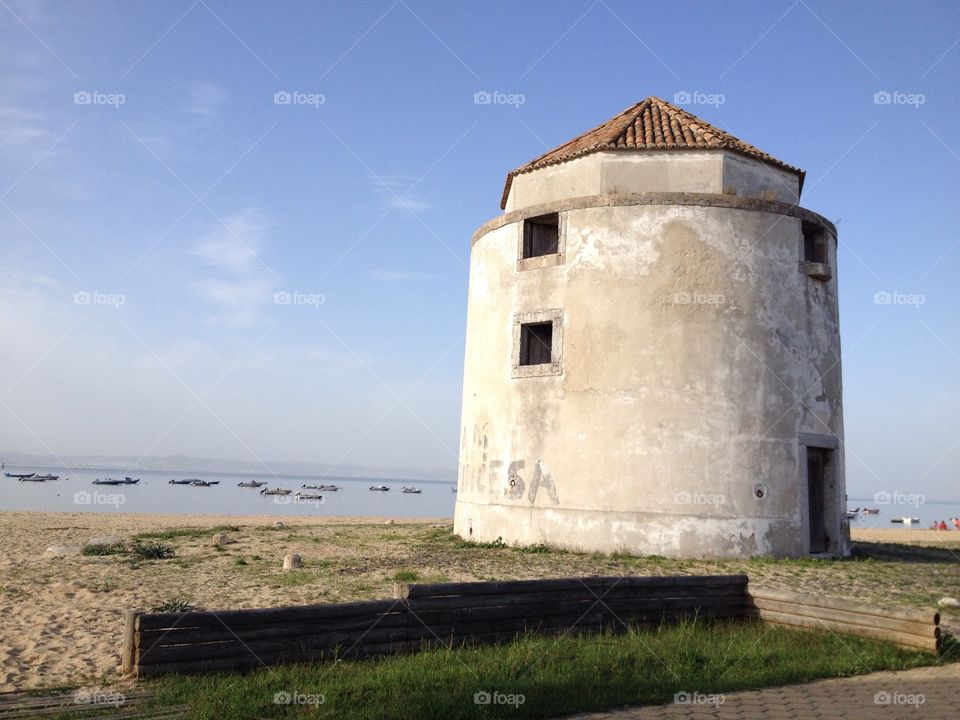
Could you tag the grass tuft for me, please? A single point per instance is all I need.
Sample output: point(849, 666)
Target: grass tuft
point(152, 550)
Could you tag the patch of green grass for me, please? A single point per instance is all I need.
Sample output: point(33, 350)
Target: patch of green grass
point(239, 561)
point(406, 576)
point(555, 676)
point(174, 605)
point(538, 549)
point(114, 549)
point(152, 550)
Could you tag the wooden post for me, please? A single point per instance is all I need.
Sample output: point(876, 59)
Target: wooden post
point(129, 641)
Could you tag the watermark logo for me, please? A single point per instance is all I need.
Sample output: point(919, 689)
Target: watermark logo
point(95, 97)
point(98, 498)
point(115, 300)
point(698, 698)
point(895, 297)
point(495, 697)
point(895, 97)
point(99, 697)
point(298, 698)
point(899, 498)
point(485, 97)
point(284, 297)
point(295, 97)
point(895, 698)
point(686, 97)
point(699, 498)
point(698, 298)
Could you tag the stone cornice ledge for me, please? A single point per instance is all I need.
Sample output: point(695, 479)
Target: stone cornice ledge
point(733, 202)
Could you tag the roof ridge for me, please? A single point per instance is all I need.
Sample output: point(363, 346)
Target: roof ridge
point(651, 124)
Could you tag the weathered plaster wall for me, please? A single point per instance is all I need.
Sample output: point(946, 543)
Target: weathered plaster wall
point(687, 171)
point(694, 353)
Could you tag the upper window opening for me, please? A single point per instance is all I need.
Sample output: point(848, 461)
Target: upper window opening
point(814, 243)
point(541, 235)
point(536, 343)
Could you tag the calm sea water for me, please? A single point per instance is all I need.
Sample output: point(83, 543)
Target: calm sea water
point(75, 491)
point(908, 506)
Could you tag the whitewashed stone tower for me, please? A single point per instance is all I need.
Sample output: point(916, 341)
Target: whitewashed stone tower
point(653, 351)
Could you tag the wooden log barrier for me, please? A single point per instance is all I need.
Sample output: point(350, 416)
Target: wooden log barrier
point(907, 627)
point(430, 615)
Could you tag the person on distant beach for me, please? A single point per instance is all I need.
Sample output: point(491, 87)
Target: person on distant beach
point(943, 525)
point(956, 522)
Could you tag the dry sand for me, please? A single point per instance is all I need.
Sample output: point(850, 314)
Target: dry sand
point(61, 618)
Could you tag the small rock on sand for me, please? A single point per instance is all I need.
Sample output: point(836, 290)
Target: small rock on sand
point(220, 539)
point(292, 562)
point(949, 602)
point(279, 525)
point(389, 522)
point(62, 551)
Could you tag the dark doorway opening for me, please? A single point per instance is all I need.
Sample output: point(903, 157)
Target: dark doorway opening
point(818, 460)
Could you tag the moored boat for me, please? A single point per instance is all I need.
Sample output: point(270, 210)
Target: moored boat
point(412, 490)
point(251, 484)
point(379, 488)
point(20, 476)
point(181, 482)
point(275, 491)
point(109, 481)
point(308, 496)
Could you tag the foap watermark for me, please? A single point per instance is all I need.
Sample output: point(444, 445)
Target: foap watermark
point(295, 97)
point(699, 698)
point(96, 696)
point(95, 297)
point(686, 97)
point(95, 97)
point(699, 498)
point(296, 697)
point(884, 697)
point(899, 498)
point(698, 298)
point(895, 297)
point(485, 97)
point(284, 297)
point(495, 697)
point(98, 498)
point(895, 97)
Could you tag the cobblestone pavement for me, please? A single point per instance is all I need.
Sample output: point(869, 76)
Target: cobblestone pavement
point(932, 692)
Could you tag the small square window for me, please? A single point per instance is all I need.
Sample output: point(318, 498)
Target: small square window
point(814, 244)
point(815, 254)
point(536, 343)
point(541, 236)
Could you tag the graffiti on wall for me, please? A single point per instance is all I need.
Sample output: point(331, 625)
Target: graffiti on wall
point(482, 473)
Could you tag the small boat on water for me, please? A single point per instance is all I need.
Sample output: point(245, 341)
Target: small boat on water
point(129, 481)
point(111, 481)
point(905, 520)
point(35, 478)
point(204, 483)
point(182, 482)
point(851, 514)
point(308, 496)
point(275, 491)
point(871, 511)
point(19, 476)
point(379, 488)
point(412, 490)
point(252, 484)
point(47, 477)
point(328, 488)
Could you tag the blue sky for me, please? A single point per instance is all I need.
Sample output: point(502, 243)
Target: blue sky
point(181, 198)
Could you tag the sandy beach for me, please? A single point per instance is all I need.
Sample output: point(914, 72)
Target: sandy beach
point(62, 617)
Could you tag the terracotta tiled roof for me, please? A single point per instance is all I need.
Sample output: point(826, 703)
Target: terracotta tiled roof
point(651, 124)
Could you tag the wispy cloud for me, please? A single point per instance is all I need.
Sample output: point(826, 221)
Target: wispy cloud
point(243, 287)
point(399, 191)
point(206, 103)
